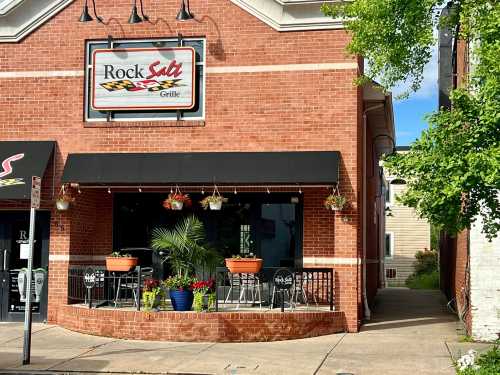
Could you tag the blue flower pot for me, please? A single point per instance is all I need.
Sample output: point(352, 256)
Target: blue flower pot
point(182, 300)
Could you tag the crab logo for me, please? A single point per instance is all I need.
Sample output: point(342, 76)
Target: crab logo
point(7, 169)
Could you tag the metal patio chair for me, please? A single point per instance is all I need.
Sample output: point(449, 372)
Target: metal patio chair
point(245, 283)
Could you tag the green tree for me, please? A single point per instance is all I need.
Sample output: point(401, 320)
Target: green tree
point(453, 169)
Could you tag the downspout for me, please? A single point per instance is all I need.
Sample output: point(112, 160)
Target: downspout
point(367, 312)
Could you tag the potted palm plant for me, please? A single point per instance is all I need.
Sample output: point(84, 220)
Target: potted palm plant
point(184, 248)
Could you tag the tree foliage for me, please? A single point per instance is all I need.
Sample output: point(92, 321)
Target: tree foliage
point(453, 169)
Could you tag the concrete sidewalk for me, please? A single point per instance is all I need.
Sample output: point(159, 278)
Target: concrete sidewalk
point(411, 332)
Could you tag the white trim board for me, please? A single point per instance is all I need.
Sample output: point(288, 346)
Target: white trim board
point(209, 70)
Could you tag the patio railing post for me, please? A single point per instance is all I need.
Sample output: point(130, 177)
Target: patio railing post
point(330, 290)
point(138, 291)
point(216, 291)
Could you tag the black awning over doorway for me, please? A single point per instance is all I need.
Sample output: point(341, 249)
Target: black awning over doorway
point(306, 167)
point(19, 161)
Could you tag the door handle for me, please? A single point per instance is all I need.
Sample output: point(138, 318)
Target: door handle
point(5, 260)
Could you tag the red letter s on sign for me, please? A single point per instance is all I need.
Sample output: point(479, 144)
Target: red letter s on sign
point(7, 167)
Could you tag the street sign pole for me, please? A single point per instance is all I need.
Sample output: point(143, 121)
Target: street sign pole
point(35, 204)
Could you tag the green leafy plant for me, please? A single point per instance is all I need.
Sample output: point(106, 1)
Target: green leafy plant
point(335, 202)
point(244, 256)
point(117, 254)
point(151, 293)
point(201, 289)
point(426, 275)
point(184, 247)
point(180, 282)
point(453, 169)
point(485, 364)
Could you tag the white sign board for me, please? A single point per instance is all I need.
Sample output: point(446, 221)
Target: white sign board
point(36, 185)
point(143, 79)
point(24, 250)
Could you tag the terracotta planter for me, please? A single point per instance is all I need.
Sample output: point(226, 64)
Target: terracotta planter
point(121, 264)
point(244, 265)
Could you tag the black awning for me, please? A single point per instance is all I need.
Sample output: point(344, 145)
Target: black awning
point(308, 167)
point(19, 161)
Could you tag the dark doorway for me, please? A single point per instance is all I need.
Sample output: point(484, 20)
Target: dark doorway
point(14, 232)
point(266, 225)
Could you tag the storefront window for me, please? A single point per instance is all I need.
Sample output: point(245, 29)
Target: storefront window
point(268, 226)
point(196, 113)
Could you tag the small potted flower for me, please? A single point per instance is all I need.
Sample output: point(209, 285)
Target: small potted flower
point(151, 294)
point(180, 291)
point(244, 264)
point(117, 262)
point(335, 202)
point(214, 202)
point(177, 200)
point(64, 199)
point(204, 295)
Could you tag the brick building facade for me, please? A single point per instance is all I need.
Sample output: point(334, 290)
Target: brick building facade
point(264, 91)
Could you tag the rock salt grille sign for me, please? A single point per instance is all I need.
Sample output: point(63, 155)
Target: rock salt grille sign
point(143, 79)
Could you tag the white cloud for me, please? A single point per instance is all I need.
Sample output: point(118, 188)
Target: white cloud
point(429, 87)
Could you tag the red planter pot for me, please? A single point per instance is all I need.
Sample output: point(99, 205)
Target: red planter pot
point(244, 265)
point(121, 264)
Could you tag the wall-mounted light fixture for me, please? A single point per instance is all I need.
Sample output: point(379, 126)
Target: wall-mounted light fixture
point(134, 16)
point(184, 13)
point(86, 17)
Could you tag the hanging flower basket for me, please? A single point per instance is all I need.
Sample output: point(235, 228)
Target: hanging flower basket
point(214, 201)
point(335, 201)
point(62, 205)
point(64, 199)
point(177, 200)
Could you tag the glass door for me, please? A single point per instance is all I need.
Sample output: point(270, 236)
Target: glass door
point(14, 235)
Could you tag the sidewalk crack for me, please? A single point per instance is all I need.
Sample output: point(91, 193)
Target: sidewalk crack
point(91, 349)
point(328, 354)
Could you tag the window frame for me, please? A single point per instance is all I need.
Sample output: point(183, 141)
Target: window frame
point(391, 245)
point(87, 63)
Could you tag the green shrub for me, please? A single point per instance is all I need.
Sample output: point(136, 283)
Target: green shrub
point(426, 262)
point(489, 364)
point(423, 281)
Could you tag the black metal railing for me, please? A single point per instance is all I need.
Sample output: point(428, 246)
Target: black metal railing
point(310, 287)
point(109, 288)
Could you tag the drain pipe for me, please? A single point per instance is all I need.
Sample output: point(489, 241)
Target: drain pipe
point(367, 314)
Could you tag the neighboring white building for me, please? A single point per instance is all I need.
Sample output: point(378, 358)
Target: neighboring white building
point(484, 285)
point(405, 233)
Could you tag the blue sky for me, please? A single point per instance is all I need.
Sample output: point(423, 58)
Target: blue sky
point(409, 114)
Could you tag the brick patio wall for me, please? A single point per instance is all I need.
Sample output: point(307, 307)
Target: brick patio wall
point(214, 327)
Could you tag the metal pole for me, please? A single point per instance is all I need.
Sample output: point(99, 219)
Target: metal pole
point(27, 309)
point(282, 300)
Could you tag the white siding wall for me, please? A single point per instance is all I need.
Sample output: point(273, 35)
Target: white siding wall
point(411, 234)
point(484, 285)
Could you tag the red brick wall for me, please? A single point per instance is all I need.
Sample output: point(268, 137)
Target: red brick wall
point(272, 111)
point(461, 278)
point(218, 327)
